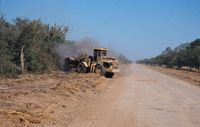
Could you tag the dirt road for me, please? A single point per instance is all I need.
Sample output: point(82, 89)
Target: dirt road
point(144, 98)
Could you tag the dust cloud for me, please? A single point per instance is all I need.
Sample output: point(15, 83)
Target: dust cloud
point(85, 45)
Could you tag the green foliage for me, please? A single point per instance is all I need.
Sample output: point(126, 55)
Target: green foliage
point(187, 54)
point(38, 40)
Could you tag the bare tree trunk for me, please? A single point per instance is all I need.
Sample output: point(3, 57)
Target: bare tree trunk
point(1, 68)
point(22, 58)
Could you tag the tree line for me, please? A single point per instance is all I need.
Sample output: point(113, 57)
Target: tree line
point(28, 45)
point(185, 55)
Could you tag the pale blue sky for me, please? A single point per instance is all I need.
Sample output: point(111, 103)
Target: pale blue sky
point(137, 28)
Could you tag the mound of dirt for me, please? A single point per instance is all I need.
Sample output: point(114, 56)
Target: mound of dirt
point(45, 100)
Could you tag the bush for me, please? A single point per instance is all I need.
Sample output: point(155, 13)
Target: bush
point(38, 41)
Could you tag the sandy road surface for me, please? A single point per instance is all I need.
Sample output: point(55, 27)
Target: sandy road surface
point(144, 98)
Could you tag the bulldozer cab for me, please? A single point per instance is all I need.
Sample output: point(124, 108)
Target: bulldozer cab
point(99, 53)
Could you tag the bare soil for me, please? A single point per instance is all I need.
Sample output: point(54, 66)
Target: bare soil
point(137, 97)
point(46, 100)
point(191, 76)
point(143, 98)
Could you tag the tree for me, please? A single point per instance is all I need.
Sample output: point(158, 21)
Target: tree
point(186, 54)
point(30, 41)
point(167, 55)
point(180, 56)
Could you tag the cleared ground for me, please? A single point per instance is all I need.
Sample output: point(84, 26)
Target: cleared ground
point(138, 97)
point(46, 100)
point(145, 98)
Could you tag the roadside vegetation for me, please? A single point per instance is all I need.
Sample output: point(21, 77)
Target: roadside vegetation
point(185, 55)
point(123, 59)
point(28, 46)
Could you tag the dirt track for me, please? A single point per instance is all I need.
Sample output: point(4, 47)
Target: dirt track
point(145, 98)
point(137, 97)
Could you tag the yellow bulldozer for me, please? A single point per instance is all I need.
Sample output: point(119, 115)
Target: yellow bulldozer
point(99, 63)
